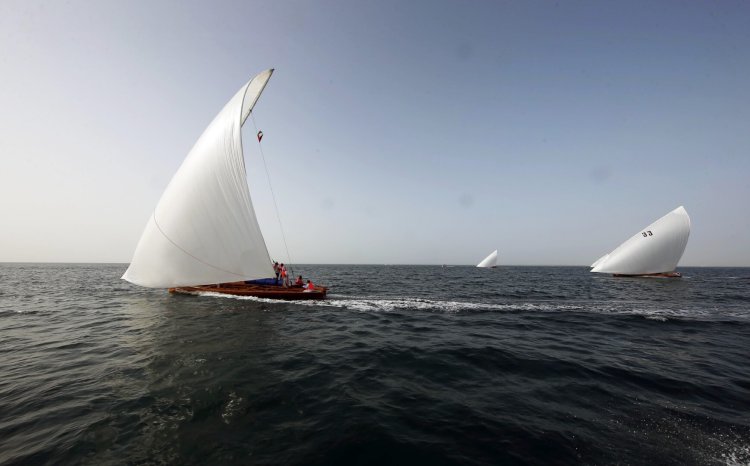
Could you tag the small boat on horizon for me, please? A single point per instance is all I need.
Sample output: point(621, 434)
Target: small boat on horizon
point(490, 261)
point(203, 235)
point(652, 252)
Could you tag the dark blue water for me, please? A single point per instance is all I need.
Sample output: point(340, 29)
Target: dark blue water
point(403, 365)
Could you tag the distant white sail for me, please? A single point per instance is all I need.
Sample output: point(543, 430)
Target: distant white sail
point(655, 249)
point(489, 261)
point(600, 260)
point(204, 228)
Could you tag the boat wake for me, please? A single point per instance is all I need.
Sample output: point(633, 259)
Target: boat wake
point(420, 304)
point(373, 303)
point(398, 304)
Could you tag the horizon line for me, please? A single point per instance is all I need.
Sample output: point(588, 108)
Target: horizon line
point(376, 263)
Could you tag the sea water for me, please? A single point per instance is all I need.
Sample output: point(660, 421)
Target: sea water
point(401, 365)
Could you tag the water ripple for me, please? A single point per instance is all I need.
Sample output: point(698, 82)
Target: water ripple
point(513, 365)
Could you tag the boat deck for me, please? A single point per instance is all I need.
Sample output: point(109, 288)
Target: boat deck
point(258, 291)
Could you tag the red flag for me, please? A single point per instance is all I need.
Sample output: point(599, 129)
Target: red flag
point(260, 135)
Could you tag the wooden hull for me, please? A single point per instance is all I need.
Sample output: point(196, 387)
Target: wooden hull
point(652, 275)
point(258, 291)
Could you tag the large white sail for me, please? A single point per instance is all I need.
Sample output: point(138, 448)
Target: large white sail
point(489, 261)
point(204, 228)
point(655, 249)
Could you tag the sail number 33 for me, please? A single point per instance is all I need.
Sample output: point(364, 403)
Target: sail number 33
point(647, 233)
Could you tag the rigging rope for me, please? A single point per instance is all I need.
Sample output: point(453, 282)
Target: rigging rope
point(273, 196)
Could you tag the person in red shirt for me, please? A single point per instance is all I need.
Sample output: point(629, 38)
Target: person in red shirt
point(284, 276)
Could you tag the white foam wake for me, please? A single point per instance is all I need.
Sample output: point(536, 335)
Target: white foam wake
point(368, 303)
point(381, 304)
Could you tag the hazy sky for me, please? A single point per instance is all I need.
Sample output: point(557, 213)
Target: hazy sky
point(395, 131)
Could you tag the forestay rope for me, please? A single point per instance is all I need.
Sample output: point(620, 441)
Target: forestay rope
point(259, 135)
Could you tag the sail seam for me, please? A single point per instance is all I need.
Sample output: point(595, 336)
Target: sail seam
point(181, 249)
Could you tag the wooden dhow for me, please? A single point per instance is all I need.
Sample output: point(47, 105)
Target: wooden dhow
point(204, 230)
point(256, 290)
point(652, 252)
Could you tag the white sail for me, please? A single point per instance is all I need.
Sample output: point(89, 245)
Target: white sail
point(489, 261)
point(600, 260)
point(204, 228)
point(655, 249)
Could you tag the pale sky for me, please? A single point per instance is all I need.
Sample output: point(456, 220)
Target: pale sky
point(395, 132)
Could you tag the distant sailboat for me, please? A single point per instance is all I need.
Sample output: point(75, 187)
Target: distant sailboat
point(652, 252)
point(489, 261)
point(203, 234)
